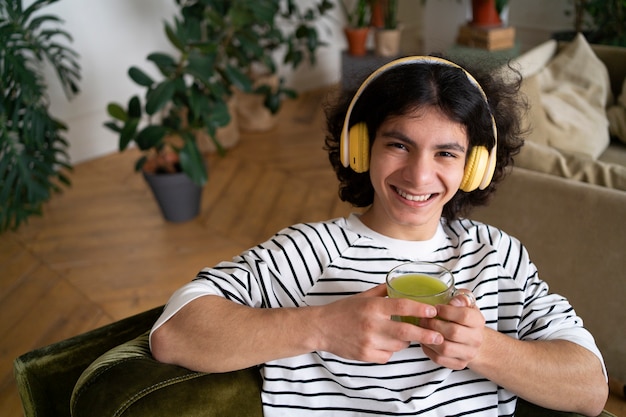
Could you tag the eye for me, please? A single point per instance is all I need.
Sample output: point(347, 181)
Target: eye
point(447, 154)
point(394, 144)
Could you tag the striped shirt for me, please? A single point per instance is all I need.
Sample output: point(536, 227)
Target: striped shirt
point(317, 263)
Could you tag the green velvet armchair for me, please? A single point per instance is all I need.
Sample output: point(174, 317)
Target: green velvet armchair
point(110, 372)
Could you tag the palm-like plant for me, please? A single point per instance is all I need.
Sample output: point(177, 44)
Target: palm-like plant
point(33, 154)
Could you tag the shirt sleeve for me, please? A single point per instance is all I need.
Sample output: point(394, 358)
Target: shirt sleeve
point(549, 316)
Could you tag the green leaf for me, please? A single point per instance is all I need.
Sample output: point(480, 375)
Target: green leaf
point(272, 102)
point(200, 66)
point(140, 163)
point(116, 111)
point(191, 161)
point(150, 137)
point(134, 107)
point(140, 77)
point(198, 104)
point(171, 35)
point(128, 133)
point(113, 126)
point(157, 99)
point(164, 62)
point(219, 116)
point(238, 78)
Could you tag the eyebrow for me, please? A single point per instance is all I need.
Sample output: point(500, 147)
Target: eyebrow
point(392, 134)
point(451, 145)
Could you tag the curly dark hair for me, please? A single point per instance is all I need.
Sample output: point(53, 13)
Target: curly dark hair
point(403, 89)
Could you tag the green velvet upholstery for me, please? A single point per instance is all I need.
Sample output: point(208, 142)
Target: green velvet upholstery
point(110, 372)
point(46, 376)
point(128, 381)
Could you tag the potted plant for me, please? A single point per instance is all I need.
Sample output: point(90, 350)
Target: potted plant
point(602, 21)
point(357, 13)
point(218, 47)
point(387, 37)
point(33, 151)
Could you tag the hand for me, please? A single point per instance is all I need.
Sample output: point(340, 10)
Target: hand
point(462, 326)
point(360, 327)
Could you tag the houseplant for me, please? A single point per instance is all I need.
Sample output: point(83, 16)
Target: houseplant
point(387, 37)
point(219, 46)
point(602, 21)
point(33, 151)
point(356, 29)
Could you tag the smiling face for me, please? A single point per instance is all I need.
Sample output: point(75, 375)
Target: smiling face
point(416, 167)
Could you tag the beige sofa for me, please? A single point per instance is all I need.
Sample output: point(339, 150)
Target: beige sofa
point(570, 212)
point(576, 236)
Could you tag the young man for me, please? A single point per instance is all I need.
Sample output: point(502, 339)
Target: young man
point(419, 144)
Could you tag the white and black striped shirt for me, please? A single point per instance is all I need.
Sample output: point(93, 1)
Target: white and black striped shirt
point(316, 263)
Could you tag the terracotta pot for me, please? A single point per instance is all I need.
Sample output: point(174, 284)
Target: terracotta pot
point(485, 14)
point(357, 40)
point(377, 15)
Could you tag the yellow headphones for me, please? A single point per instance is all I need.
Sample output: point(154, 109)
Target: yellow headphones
point(355, 148)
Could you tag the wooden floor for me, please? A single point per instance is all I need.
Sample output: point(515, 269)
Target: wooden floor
point(102, 251)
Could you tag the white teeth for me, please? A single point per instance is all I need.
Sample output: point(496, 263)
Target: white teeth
point(410, 197)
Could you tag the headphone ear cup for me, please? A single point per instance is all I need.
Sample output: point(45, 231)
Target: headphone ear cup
point(359, 148)
point(475, 169)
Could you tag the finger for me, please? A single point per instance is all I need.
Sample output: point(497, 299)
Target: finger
point(448, 362)
point(463, 298)
point(409, 332)
point(468, 317)
point(406, 307)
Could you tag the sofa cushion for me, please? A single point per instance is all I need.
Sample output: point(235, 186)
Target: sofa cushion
point(575, 90)
point(617, 115)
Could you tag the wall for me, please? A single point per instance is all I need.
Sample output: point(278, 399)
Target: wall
point(112, 35)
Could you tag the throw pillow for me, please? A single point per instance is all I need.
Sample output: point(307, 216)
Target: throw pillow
point(535, 120)
point(575, 90)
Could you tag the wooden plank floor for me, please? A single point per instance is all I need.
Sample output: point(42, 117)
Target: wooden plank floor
point(102, 251)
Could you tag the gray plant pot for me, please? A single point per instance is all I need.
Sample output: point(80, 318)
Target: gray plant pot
point(178, 197)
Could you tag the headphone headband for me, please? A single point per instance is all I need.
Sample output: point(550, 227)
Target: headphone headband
point(410, 60)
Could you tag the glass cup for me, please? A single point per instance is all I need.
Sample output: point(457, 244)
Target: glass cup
point(425, 282)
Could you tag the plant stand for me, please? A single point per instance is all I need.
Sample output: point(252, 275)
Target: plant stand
point(178, 197)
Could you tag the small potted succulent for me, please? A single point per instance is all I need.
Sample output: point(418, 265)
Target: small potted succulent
point(218, 47)
point(387, 36)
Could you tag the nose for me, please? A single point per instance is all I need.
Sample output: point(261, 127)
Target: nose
point(419, 168)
